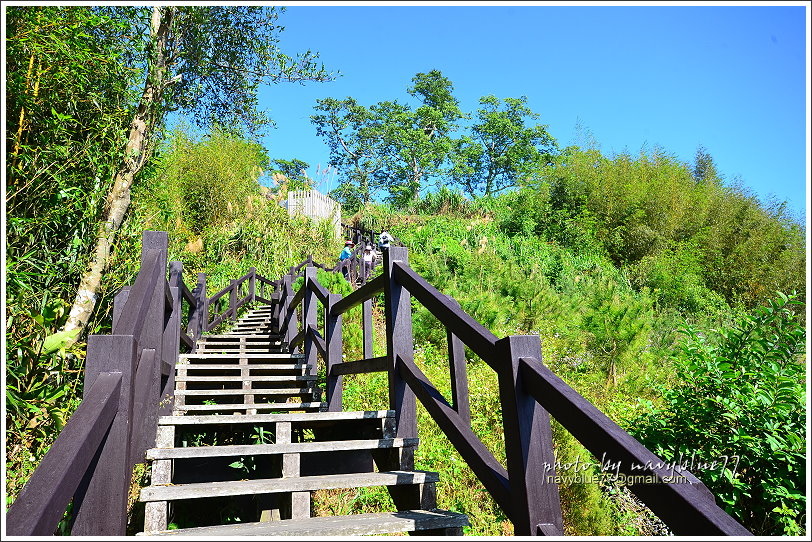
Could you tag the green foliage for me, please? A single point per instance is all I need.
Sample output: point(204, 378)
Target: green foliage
point(740, 395)
point(209, 182)
point(502, 148)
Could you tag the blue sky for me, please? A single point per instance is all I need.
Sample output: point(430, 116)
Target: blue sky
point(732, 78)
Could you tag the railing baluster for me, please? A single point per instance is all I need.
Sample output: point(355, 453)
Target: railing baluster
point(252, 284)
point(199, 316)
point(309, 319)
point(459, 372)
point(399, 344)
point(528, 442)
point(232, 300)
point(334, 354)
point(367, 323)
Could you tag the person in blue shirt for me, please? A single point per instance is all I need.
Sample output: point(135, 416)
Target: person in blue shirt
point(346, 253)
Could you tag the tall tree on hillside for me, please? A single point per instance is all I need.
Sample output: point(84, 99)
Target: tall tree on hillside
point(389, 145)
point(502, 147)
point(354, 148)
point(704, 167)
point(416, 143)
point(205, 61)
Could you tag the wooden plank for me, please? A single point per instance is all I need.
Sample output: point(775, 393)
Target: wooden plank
point(41, 503)
point(274, 449)
point(156, 513)
point(361, 366)
point(240, 391)
point(235, 366)
point(257, 406)
point(278, 378)
point(472, 333)
point(272, 418)
point(356, 524)
point(687, 508)
point(284, 485)
point(237, 355)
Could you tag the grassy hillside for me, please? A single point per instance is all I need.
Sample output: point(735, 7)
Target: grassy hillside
point(605, 259)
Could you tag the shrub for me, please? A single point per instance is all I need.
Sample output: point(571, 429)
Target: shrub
point(741, 396)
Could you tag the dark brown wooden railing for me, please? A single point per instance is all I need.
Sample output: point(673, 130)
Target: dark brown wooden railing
point(129, 381)
point(127, 375)
point(529, 393)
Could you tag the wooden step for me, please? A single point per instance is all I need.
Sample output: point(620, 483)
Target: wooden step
point(274, 449)
point(307, 405)
point(353, 525)
point(236, 366)
point(277, 378)
point(263, 336)
point(236, 355)
point(284, 485)
point(272, 418)
point(254, 391)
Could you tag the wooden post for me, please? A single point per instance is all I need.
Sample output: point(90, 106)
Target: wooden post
point(309, 319)
point(399, 343)
point(199, 316)
point(291, 321)
point(528, 443)
point(459, 372)
point(232, 300)
point(252, 285)
point(334, 353)
point(148, 371)
point(101, 499)
point(171, 343)
point(367, 323)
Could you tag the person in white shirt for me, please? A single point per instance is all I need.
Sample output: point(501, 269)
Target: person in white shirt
point(368, 258)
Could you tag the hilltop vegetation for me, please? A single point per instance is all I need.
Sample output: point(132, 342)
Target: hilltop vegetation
point(668, 297)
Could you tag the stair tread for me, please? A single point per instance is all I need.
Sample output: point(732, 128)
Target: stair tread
point(255, 406)
point(356, 524)
point(237, 366)
point(284, 485)
point(238, 378)
point(253, 391)
point(252, 355)
point(285, 448)
point(281, 417)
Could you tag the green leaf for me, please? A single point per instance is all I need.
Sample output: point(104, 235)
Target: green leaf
point(54, 342)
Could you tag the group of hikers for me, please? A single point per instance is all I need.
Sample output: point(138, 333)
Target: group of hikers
point(368, 256)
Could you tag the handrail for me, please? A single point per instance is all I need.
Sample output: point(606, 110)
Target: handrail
point(42, 502)
point(688, 508)
point(472, 333)
point(526, 490)
point(92, 458)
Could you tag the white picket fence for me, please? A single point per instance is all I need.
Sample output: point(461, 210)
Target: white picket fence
point(315, 205)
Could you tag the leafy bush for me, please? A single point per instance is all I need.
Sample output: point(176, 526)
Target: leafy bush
point(741, 394)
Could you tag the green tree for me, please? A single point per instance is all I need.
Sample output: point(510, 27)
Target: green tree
point(207, 62)
point(354, 148)
point(295, 171)
point(390, 145)
point(502, 147)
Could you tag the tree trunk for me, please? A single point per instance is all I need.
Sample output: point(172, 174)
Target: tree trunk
point(136, 154)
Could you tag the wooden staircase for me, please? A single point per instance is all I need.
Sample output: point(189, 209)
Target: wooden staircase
point(249, 440)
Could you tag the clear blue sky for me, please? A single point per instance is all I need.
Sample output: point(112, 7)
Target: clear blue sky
point(732, 77)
